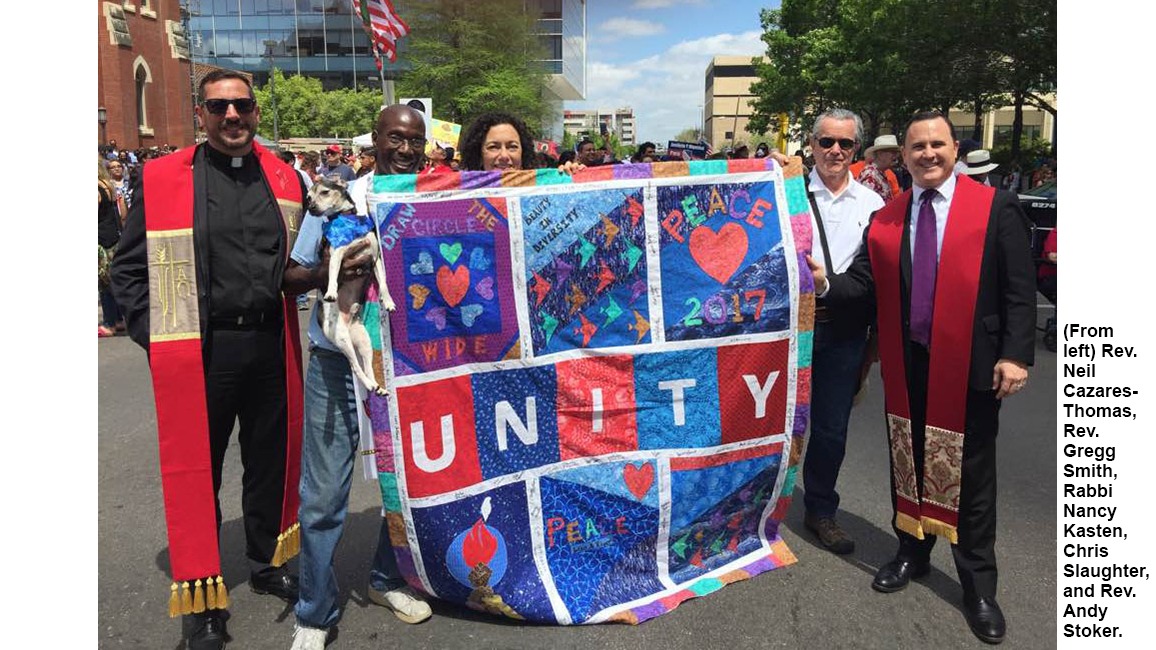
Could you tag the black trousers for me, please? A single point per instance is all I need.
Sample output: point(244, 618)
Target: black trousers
point(975, 553)
point(245, 383)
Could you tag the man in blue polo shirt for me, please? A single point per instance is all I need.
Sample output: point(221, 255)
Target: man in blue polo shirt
point(330, 434)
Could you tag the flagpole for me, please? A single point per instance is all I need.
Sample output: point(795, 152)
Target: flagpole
point(386, 87)
point(384, 27)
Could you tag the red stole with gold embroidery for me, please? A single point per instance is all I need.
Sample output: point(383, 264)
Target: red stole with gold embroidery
point(929, 504)
point(178, 375)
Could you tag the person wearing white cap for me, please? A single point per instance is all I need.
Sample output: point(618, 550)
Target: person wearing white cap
point(979, 165)
point(877, 174)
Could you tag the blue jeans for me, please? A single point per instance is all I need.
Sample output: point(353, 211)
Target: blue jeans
point(835, 366)
point(328, 454)
point(109, 310)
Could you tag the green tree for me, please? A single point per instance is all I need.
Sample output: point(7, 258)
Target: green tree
point(831, 53)
point(305, 110)
point(473, 57)
point(885, 59)
point(691, 134)
point(621, 151)
point(297, 100)
point(345, 113)
point(568, 142)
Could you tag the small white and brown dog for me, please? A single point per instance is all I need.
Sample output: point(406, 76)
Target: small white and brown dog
point(342, 307)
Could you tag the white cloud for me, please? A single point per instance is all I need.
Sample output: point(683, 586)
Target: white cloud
point(667, 89)
point(630, 27)
point(662, 4)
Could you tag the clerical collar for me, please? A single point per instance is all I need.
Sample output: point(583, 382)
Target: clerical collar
point(225, 160)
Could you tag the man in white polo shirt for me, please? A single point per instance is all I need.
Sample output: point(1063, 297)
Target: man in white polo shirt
point(842, 208)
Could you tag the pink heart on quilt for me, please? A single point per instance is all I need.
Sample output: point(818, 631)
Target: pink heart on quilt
point(485, 288)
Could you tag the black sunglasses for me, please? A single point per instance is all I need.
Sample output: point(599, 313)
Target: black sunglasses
point(844, 143)
point(244, 105)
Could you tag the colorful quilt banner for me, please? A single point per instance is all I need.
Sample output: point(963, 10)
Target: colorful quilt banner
point(599, 383)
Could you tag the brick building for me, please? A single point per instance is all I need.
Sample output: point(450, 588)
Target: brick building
point(144, 83)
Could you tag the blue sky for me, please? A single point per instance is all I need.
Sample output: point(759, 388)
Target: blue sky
point(652, 55)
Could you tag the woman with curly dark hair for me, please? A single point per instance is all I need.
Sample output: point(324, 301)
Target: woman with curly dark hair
point(497, 141)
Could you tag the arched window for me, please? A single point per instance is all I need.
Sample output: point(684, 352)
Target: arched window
point(143, 77)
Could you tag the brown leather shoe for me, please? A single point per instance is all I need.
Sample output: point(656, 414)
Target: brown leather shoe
point(830, 535)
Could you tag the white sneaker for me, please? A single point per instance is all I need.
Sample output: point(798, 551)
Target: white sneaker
point(308, 638)
point(407, 604)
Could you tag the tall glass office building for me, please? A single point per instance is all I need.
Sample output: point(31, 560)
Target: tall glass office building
point(325, 39)
point(316, 38)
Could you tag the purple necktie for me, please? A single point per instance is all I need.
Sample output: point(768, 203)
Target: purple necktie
point(923, 268)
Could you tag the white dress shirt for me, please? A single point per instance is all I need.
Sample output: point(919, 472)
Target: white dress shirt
point(941, 204)
point(845, 216)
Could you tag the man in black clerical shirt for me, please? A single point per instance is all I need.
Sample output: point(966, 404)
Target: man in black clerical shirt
point(241, 233)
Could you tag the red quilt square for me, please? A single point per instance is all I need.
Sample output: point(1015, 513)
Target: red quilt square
point(736, 165)
point(752, 386)
point(436, 182)
point(585, 384)
point(438, 436)
point(589, 174)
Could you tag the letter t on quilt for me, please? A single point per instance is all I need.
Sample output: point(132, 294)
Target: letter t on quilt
point(599, 385)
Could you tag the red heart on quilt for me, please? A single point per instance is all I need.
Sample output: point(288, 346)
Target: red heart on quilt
point(719, 254)
point(638, 479)
point(453, 285)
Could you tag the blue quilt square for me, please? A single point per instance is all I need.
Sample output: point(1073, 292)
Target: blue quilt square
point(451, 287)
point(677, 397)
point(516, 419)
point(492, 528)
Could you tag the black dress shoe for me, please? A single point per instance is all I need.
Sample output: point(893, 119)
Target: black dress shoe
point(278, 582)
point(895, 575)
point(205, 631)
point(984, 618)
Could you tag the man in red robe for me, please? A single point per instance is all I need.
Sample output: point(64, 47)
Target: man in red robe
point(948, 267)
point(199, 276)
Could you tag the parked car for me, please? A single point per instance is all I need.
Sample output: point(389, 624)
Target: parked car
point(1039, 203)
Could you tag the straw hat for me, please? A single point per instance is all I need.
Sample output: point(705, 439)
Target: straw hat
point(882, 143)
point(979, 162)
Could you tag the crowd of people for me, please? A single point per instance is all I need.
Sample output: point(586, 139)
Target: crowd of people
point(264, 251)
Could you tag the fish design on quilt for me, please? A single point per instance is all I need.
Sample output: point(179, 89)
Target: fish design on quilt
point(633, 254)
point(586, 250)
point(562, 270)
point(606, 277)
point(587, 330)
point(640, 325)
point(541, 288)
point(612, 311)
point(577, 299)
point(610, 230)
point(549, 324)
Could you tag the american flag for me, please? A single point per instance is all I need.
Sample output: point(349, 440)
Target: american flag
point(383, 25)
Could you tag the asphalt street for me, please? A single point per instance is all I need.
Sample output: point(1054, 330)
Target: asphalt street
point(822, 601)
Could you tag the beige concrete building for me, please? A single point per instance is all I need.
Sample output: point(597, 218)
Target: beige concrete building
point(997, 124)
point(726, 107)
point(592, 123)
